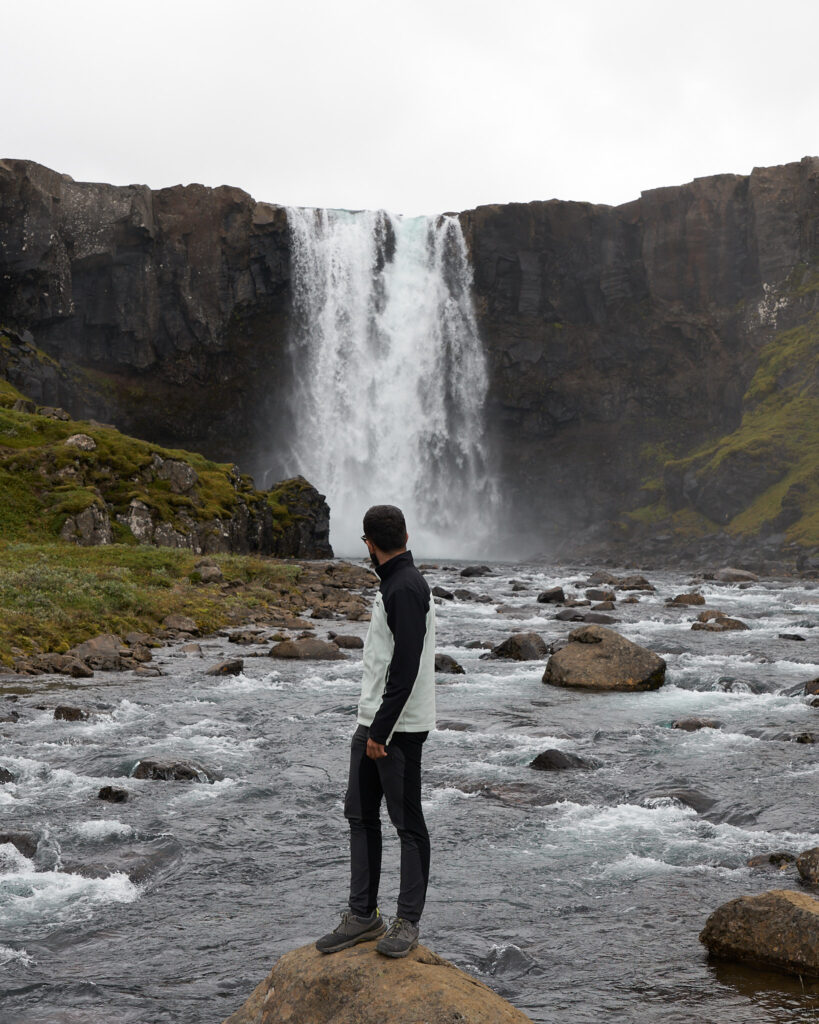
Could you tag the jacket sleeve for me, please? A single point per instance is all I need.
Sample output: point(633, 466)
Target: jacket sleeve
point(407, 619)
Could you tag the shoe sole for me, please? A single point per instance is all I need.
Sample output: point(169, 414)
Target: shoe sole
point(376, 933)
point(394, 954)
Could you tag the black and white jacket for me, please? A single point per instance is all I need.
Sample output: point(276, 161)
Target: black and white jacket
point(398, 684)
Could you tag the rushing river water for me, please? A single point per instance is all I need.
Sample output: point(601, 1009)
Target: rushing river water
point(577, 895)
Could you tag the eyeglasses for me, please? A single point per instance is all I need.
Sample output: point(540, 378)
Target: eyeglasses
point(364, 537)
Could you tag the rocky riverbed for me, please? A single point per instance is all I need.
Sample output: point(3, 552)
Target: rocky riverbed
point(574, 891)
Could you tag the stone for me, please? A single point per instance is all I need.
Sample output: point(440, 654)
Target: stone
point(521, 647)
point(180, 623)
point(231, 667)
point(6, 776)
point(8, 716)
point(790, 636)
point(446, 664)
point(599, 594)
point(805, 737)
point(25, 405)
point(570, 615)
point(181, 475)
point(24, 842)
point(443, 593)
point(556, 760)
point(307, 648)
point(780, 859)
point(554, 595)
point(597, 658)
point(604, 606)
point(693, 724)
point(53, 413)
point(104, 652)
point(359, 986)
point(192, 649)
point(721, 624)
point(811, 687)
point(210, 574)
point(777, 929)
point(247, 637)
point(634, 583)
point(113, 794)
point(141, 653)
point(84, 442)
point(65, 713)
point(89, 528)
point(476, 570)
point(170, 771)
point(468, 595)
point(731, 575)
point(601, 577)
point(347, 643)
point(686, 599)
point(807, 864)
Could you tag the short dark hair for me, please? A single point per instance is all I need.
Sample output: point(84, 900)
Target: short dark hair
point(384, 525)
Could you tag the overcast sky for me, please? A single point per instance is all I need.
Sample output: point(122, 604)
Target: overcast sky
point(419, 106)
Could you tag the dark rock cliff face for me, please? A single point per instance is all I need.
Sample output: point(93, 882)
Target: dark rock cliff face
point(619, 339)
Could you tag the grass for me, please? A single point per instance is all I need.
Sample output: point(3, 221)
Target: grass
point(53, 596)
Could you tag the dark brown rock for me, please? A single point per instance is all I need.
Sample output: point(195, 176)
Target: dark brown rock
point(443, 593)
point(600, 594)
point(811, 687)
point(554, 595)
point(307, 648)
point(686, 599)
point(24, 842)
point(476, 570)
point(231, 667)
point(634, 583)
point(721, 624)
point(807, 864)
point(180, 623)
point(113, 794)
point(597, 658)
point(170, 771)
point(695, 724)
point(446, 664)
point(65, 713)
point(778, 929)
point(780, 859)
point(6, 776)
point(556, 760)
point(521, 647)
point(347, 643)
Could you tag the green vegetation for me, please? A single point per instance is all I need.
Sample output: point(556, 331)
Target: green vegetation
point(53, 596)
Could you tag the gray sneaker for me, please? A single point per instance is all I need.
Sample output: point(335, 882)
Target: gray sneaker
point(401, 937)
point(351, 931)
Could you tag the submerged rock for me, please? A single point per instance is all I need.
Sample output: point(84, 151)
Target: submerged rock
point(444, 663)
point(693, 724)
point(23, 842)
point(113, 794)
point(685, 600)
point(597, 658)
point(171, 771)
point(731, 575)
point(476, 570)
point(718, 623)
point(777, 929)
point(66, 713)
point(359, 986)
point(520, 647)
point(780, 859)
point(307, 648)
point(231, 667)
point(6, 776)
point(557, 760)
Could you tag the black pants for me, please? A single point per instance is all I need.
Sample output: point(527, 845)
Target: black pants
point(398, 778)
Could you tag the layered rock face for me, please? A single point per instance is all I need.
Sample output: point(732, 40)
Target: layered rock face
point(620, 340)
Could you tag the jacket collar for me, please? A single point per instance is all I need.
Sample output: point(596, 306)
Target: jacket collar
point(386, 569)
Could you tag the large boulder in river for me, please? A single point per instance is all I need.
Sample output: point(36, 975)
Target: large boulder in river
point(777, 929)
point(308, 648)
point(597, 658)
point(807, 864)
point(732, 575)
point(520, 647)
point(359, 986)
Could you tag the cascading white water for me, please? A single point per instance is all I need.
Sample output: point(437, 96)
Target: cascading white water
point(390, 377)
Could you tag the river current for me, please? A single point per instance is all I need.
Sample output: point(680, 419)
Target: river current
point(578, 895)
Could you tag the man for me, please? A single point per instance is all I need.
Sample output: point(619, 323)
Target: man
point(395, 713)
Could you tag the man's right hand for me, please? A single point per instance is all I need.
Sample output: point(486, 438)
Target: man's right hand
point(376, 750)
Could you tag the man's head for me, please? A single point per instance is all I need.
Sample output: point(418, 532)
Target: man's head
point(385, 529)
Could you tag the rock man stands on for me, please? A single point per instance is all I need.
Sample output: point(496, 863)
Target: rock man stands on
point(395, 714)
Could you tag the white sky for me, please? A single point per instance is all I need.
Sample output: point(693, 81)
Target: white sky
point(418, 106)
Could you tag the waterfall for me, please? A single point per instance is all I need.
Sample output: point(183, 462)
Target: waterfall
point(390, 377)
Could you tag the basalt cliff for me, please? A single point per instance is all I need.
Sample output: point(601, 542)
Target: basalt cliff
point(654, 367)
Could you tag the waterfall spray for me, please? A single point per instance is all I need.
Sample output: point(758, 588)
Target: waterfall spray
point(391, 379)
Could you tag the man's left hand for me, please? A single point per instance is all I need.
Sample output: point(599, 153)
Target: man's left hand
point(376, 750)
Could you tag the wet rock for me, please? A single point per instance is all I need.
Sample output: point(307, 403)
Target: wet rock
point(247, 637)
point(180, 623)
point(445, 595)
point(476, 570)
point(476, 645)
point(6, 776)
point(554, 595)
point(634, 583)
point(444, 663)
point(719, 624)
point(597, 658)
point(805, 737)
point(685, 600)
point(468, 595)
point(149, 671)
point(603, 606)
point(570, 615)
point(777, 929)
point(807, 864)
point(557, 760)
point(307, 648)
point(139, 861)
point(141, 653)
point(192, 649)
point(780, 859)
point(577, 602)
point(694, 724)
point(811, 687)
point(631, 599)
point(599, 617)
point(231, 667)
point(113, 794)
point(346, 643)
point(790, 636)
point(598, 594)
point(24, 842)
point(66, 713)
point(171, 771)
point(103, 653)
point(731, 575)
point(520, 647)
point(601, 577)
point(8, 716)
point(357, 986)
point(693, 798)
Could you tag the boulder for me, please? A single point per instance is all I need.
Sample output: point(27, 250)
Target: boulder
point(685, 600)
point(347, 643)
point(468, 595)
point(84, 442)
point(777, 929)
point(247, 637)
point(89, 528)
point(720, 624)
point(554, 595)
point(170, 771)
point(231, 667)
point(210, 574)
point(790, 636)
point(65, 713)
point(601, 577)
point(693, 724)
point(731, 575)
point(24, 842)
point(113, 794)
point(359, 986)
point(556, 760)
point(807, 864)
point(598, 594)
point(180, 623)
point(476, 570)
point(597, 658)
point(811, 687)
point(307, 648)
point(444, 663)
point(634, 583)
point(445, 595)
point(603, 606)
point(8, 716)
point(104, 652)
point(779, 859)
point(6, 776)
point(521, 647)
